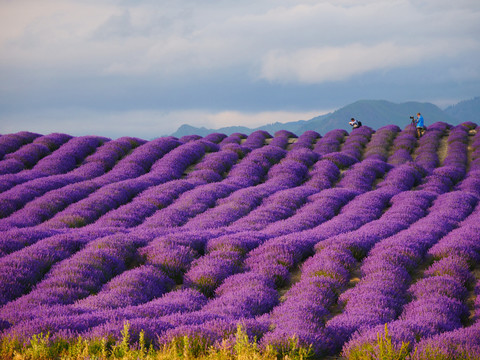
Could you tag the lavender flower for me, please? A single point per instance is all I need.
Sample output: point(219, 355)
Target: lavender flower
point(132, 287)
point(306, 140)
point(12, 142)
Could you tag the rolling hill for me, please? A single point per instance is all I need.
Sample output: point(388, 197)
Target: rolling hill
point(467, 110)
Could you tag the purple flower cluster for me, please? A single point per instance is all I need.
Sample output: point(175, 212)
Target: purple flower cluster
point(11, 166)
point(12, 142)
point(15, 239)
point(54, 193)
point(207, 272)
point(306, 140)
point(174, 252)
point(330, 142)
point(243, 176)
point(77, 276)
point(21, 270)
point(362, 175)
point(144, 205)
point(351, 151)
point(379, 146)
point(326, 274)
point(289, 172)
point(450, 276)
point(131, 287)
point(68, 322)
point(355, 143)
point(256, 140)
point(282, 139)
point(454, 165)
point(28, 155)
point(341, 160)
point(60, 161)
point(224, 258)
point(323, 174)
point(188, 138)
point(403, 146)
point(403, 177)
point(405, 209)
point(426, 152)
point(215, 138)
point(472, 182)
point(219, 162)
point(243, 295)
point(113, 195)
point(278, 206)
point(235, 138)
point(305, 309)
point(462, 343)
point(52, 141)
point(276, 256)
point(189, 204)
point(160, 196)
point(380, 295)
point(439, 298)
point(68, 156)
point(149, 317)
point(253, 168)
point(244, 298)
point(319, 208)
point(107, 156)
point(462, 242)
point(139, 161)
point(46, 206)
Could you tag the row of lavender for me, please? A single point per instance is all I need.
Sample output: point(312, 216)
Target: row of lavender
point(228, 233)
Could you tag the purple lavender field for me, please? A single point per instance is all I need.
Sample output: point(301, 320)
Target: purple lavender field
point(332, 238)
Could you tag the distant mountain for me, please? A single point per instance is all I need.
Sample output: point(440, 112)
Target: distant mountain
point(378, 113)
point(191, 130)
point(468, 110)
point(373, 113)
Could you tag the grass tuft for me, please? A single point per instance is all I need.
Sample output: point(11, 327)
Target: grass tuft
point(42, 347)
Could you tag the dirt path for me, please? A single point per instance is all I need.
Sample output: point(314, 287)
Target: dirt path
point(391, 149)
point(443, 148)
point(471, 297)
point(471, 136)
point(291, 141)
point(295, 276)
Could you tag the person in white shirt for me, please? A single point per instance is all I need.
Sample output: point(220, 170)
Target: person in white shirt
point(354, 123)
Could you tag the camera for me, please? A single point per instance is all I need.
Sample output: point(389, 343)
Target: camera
point(412, 118)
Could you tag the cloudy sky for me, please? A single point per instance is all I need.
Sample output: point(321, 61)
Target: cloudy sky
point(142, 68)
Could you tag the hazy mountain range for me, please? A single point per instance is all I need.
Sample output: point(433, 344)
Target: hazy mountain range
point(373, 113)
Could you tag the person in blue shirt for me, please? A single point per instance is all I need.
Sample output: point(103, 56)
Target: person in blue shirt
point(420, 124)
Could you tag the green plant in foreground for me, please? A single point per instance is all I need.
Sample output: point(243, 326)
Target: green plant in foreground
point(42, 347)
point(382, 349)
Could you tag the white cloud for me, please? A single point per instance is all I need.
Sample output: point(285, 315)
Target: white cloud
point(317, 65)
point(235, 118)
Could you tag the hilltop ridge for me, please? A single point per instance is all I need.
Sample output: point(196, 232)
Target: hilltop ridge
point(374, 113)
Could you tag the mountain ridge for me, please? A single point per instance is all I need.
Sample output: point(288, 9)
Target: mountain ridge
point(374, 113)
